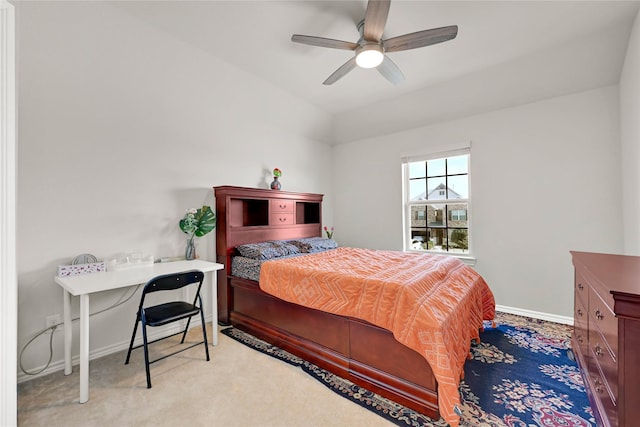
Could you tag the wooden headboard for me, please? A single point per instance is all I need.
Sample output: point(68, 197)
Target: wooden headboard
point(249, 215)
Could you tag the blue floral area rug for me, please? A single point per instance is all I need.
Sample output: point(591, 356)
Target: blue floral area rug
point(520, 375)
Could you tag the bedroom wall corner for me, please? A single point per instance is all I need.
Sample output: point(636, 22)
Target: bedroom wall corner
point(629, 88)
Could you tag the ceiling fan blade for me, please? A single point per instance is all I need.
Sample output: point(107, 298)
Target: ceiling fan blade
point(323, 42)
point(340, 72)
point(375, 19)
point(390, 71)
point(420, 39)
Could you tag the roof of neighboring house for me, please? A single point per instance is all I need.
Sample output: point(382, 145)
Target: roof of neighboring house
point(436, 196)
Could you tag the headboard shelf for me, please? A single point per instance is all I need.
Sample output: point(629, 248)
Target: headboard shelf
point(248, 212)
point(249, 215)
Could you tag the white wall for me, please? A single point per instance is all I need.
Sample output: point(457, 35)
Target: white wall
point(544, 180)
point(121, 129)
point(630, 137)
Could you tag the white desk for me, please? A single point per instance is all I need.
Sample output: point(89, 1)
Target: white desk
point(85, 284)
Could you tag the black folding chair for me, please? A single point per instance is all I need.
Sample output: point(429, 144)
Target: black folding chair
point(168, 312)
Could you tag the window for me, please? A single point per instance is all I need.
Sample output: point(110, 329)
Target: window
point(437, 202)
point(458, 215)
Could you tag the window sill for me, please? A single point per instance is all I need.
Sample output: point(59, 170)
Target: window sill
point(465, 258)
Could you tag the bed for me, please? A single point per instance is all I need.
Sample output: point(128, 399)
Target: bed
point(386, 353)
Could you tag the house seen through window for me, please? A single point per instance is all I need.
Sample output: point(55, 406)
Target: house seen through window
point(437, 203)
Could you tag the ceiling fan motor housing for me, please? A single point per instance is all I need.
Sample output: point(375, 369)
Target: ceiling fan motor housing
point(369, 54)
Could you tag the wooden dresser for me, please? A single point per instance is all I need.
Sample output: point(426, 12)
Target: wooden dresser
point(257, 215)
point(606, 339)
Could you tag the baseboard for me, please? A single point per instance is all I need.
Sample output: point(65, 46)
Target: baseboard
point(105, 351)
point(536, 314)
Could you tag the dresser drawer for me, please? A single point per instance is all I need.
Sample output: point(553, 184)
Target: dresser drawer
point(582, 288)
point(279, 218)
point(281, 206)
point(602, 318)
point(581, 326)
point(603, 399)
point(604, 363)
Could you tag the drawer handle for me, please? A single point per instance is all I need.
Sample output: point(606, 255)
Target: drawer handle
point(579, 312)
point(282, 219)
point(283, 206)
point(599, 314)
point(580, 286)
point(598, 350)
point(598, 384)
point(579, 338)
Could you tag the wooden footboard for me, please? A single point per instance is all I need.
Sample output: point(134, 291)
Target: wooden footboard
point(355, 350)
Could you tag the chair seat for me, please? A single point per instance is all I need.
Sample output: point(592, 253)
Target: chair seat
point(169, 312)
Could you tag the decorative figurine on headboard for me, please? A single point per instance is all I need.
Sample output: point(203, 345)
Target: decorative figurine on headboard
point(275, 184)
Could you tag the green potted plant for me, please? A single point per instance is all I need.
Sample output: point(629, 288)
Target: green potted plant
point(196, 223)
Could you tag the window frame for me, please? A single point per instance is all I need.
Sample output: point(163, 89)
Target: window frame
point(407, 203)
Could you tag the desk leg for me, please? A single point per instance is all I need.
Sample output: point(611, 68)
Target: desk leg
point(68, 332)
point(84, 348)
point(214, 307)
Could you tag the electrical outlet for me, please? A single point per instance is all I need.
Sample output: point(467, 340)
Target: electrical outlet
point(52, 320)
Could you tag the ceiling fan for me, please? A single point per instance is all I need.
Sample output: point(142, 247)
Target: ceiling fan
point(370, 49)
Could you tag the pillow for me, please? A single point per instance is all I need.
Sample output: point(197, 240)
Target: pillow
point(267, 250)
point(314, 244)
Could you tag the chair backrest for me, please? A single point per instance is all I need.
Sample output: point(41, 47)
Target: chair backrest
point(173, 281)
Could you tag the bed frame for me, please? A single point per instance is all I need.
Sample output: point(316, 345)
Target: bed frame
point(353, 349)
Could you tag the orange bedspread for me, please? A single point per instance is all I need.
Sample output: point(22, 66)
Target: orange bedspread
point(434, 304)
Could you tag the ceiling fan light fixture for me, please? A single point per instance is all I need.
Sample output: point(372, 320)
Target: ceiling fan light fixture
point(370, 50)
point(369, 56)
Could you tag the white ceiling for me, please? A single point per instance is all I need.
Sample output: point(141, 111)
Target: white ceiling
point(524, 50)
